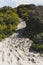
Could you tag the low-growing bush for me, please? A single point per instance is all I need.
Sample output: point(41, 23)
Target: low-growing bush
point(8, 21)
point(37, 47)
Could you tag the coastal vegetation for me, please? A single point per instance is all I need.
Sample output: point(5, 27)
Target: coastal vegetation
point(33, 17)
point(8, 21)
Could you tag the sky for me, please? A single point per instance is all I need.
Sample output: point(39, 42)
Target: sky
point(15, 3)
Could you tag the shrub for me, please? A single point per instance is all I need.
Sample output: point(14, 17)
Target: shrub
point(37, 47)
point(8, 21)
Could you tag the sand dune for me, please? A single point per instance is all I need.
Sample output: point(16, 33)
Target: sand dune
point(15, 50)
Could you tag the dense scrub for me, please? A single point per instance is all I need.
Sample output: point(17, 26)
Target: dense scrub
point(33, 15)
point(8, 21)
point(37, 47)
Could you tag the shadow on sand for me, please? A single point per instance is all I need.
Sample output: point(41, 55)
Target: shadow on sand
point(20, 33)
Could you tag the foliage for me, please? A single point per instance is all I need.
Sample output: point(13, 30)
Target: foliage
point(33, 16)
point(8, 21)
point(37, 47)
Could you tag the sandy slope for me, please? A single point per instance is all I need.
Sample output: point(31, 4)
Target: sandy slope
point(15, 50)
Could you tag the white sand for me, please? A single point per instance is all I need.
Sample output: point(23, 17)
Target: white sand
point(15, 51)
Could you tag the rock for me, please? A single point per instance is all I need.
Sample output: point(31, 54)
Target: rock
point(33, 60)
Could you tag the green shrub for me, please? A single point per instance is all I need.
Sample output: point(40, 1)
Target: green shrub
point(8, 21)
point(37, 47)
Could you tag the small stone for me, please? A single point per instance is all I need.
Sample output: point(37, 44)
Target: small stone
point(19, 45)
point(28, 59)
point(15, 46)
point(17, 58)
point(8, 54)
point(10, 50)
point(27, 41)
point(32, 60)
point(16, 50)
point(33, 55)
